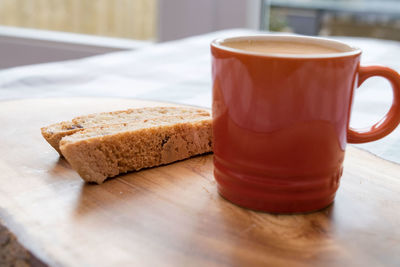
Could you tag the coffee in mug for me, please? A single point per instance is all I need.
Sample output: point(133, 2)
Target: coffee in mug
point(280, 47)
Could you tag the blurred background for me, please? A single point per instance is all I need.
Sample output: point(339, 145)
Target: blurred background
point(363, 18)
point(146, 19)
point(90, 27)
point(134, 19)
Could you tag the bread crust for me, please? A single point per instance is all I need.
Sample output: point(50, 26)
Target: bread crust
point(98, 151)
point(55, 132)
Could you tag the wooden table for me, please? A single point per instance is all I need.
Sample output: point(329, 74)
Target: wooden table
point(173, 215)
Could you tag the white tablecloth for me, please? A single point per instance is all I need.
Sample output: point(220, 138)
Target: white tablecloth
point(180, 71)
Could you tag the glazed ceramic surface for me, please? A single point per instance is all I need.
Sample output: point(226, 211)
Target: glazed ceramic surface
point(281, 123)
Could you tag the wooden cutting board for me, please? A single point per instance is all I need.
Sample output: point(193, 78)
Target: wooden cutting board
point(173, 215)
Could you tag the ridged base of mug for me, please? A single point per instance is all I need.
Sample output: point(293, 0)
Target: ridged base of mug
point(276, 207)
point(278, 195)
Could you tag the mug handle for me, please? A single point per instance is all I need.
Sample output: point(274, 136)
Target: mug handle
point(390, 121)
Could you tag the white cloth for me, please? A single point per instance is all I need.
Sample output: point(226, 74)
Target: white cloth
point(180, 71)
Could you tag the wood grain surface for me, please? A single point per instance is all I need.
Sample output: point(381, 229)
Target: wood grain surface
point(173, 215)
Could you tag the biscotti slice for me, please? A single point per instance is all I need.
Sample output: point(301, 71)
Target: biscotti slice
point(55, 132)
point(102, 152)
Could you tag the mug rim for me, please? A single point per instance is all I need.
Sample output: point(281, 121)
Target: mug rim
point(218, 43)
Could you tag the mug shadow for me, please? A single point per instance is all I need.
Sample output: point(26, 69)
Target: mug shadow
point(244, 237)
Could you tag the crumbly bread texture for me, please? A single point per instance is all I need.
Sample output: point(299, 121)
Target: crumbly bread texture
point(55, 132)
point(105, 151)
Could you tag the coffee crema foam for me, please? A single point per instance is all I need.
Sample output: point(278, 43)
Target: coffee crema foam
point(280, 47)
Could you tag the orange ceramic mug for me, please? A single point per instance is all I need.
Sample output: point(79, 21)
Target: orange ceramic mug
point(281, 122)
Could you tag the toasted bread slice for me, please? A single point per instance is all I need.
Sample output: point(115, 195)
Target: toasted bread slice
point(105, 151)
point(55, 132)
